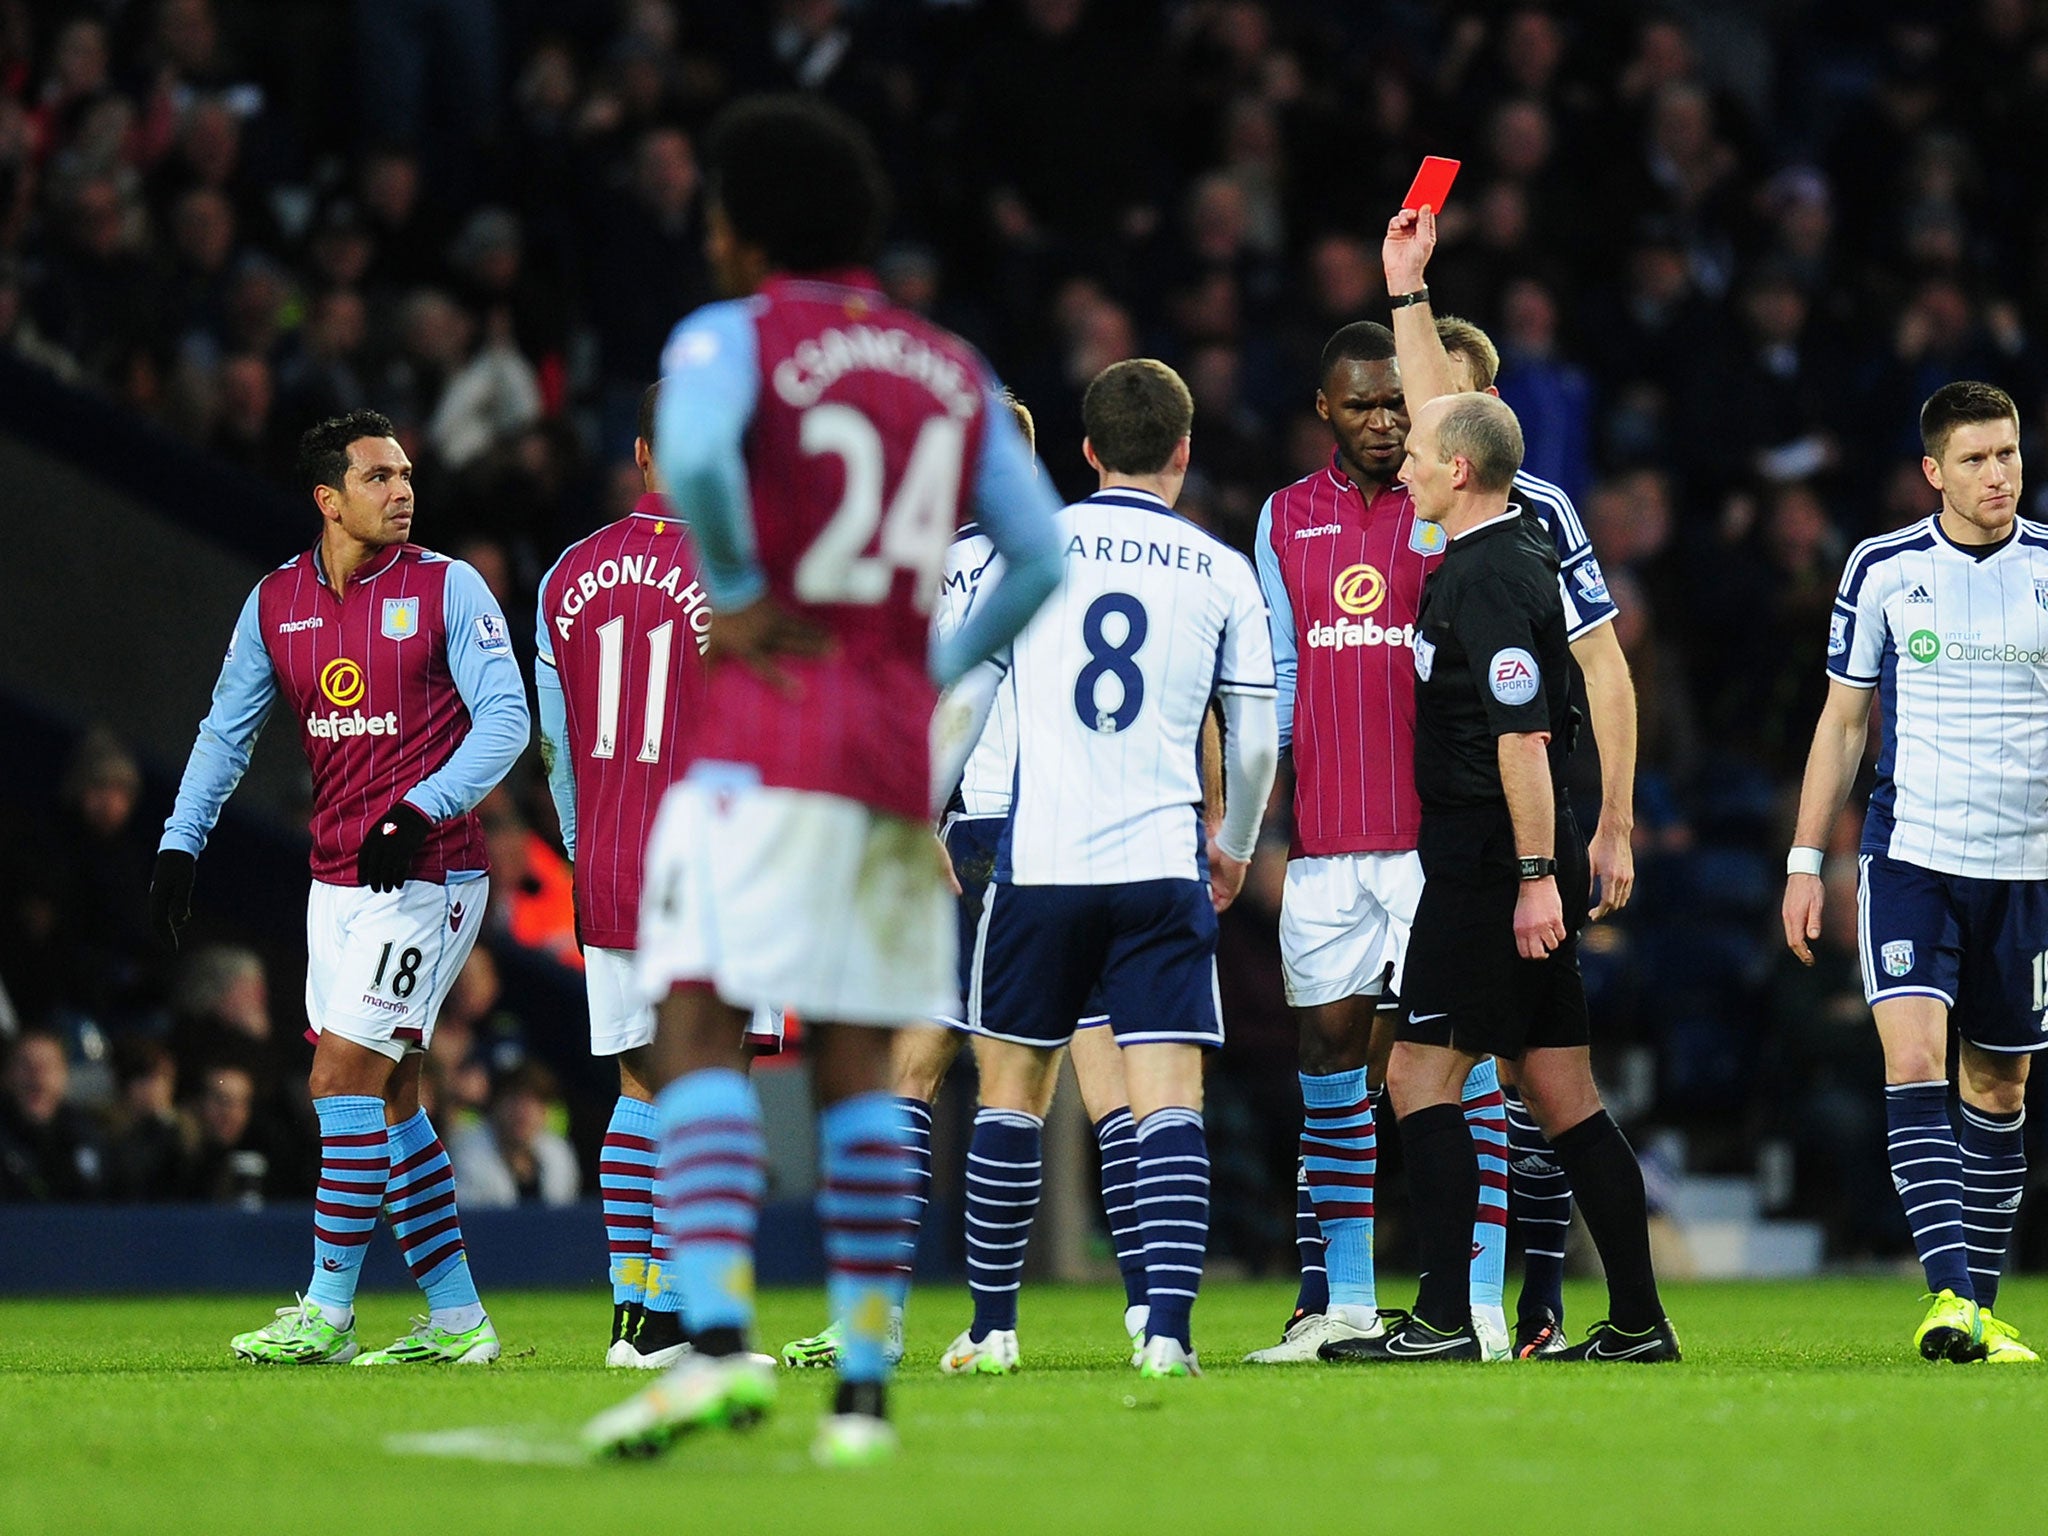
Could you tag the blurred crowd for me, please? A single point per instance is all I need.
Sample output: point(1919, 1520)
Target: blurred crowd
point(1725, 249)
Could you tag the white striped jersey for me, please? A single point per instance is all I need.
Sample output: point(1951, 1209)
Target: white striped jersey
point(1957, 648)
point(992, 765)
point(1112, 680)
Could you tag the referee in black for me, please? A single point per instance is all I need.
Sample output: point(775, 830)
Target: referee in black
point(1493, 966)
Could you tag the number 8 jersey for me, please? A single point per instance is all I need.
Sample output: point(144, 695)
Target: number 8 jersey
point(1112, 679)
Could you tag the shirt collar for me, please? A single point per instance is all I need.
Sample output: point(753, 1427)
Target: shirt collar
point(1974, 551)
point(375, 566)
point(655, 505)
point(1508, 516)
point(1131, 496)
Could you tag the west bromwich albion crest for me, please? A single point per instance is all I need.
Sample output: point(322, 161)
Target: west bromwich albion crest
point(1897, 957)
point(2041, 591)
point(401, 617)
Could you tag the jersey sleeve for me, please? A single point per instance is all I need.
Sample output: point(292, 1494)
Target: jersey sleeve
point(1279, 623)
point(1495, 625)
point(1857, 628)
point(487, 676)
point(241, 700)
point(1244, 654)
point(710, 381)
point(1580, 581)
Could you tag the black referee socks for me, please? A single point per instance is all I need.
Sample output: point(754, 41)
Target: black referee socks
point(1608, 1184)
point(1443, 1189)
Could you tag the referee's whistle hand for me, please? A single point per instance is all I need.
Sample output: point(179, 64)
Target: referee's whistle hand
point(1539, 918)
point(1803, 896)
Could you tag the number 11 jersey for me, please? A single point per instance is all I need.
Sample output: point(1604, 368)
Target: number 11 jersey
point(1113, 678)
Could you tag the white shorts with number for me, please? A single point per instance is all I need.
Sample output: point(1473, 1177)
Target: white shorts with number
point(1344, 923)
point(621, 1019)
point(379, 964)
point(785, 898)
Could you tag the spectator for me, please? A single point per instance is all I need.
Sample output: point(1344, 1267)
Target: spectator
point(514, 1157)
point(233, 1161)
point(49, 1150)
point(147, 1157)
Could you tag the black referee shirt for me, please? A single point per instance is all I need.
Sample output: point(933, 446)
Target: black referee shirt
point(1491, 659)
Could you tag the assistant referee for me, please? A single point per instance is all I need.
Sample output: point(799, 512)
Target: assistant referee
point(1493, 965)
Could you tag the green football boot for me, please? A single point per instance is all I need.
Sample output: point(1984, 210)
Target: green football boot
point(1952, 1330)
point(697, 1392)
point(818, 1352)
point(428, 1345)
point(2002, 1345)
point(300, 1335)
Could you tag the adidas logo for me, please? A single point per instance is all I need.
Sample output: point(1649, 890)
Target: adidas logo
point(1533, 1164)
point(1899, 1183)
point(1919, 595)
point(2011, 1202)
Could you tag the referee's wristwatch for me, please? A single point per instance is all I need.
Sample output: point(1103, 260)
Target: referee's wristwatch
point(1538, 869)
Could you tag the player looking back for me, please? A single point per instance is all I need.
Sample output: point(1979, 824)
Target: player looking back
point(1101, 886)
point(824, 446)
point(1945, 624)
point(397, 666)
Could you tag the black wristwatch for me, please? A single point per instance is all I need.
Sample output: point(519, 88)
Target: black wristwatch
point(1403, 300)
point(1537, 869)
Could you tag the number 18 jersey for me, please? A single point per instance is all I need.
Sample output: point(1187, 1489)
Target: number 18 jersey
point(1112, 680)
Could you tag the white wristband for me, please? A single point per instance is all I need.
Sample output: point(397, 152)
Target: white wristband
point(1803, 861)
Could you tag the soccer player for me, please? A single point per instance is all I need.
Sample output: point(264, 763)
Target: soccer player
point(1945, 624)
point(1493, 969)
point(397, 666)
point(621, 624)
point(1440, 354)
point(1100, 880)
point(1341, 559)
point(824, 446)
point(1005, 1157)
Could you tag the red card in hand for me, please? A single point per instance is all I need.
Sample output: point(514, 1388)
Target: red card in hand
point(1432, 184)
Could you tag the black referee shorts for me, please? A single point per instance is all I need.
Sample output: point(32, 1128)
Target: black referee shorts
point(1466, 986)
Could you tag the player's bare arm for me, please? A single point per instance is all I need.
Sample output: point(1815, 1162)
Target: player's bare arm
point(1831, 762)
point(1611, 699)
point(1525, 779)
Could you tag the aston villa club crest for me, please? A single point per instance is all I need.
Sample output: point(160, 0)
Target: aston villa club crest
point(1427, 538)
point(401, 617)
point(1897, 957)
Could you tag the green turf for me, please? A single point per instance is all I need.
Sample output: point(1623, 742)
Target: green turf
point(1799, 1408)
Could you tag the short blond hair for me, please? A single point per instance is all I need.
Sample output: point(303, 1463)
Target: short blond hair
point(1461, 338)
point(1025, 423)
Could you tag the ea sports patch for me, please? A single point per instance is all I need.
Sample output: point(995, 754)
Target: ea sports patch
point(1897, 957)
point(401, 617)
point(491, 638)
point(1425, 658)
point(1512, 676)
point(1427, 538)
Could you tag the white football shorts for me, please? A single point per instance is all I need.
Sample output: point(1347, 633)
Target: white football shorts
point(379, 965)
point(797, 900)
point(1344, 924)
point(621, 1019)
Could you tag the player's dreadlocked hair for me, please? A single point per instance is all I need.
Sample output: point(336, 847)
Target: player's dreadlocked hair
point(1957, 405)
point(1362, 341)
point(323, 450)
point(800, 180)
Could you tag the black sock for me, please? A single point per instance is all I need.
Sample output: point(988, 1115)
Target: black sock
point(1443, 1187)
point(1608, 1184)
point(718, 1342)
point(868, 1397)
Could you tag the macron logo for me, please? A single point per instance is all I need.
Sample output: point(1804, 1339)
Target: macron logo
point(1318, 531)
point(294, 626)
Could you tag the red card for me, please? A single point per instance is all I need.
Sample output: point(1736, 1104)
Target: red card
point(1432, 184)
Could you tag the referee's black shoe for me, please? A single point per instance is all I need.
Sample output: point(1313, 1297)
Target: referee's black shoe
point(1609, 1345)
point(1407, 1338)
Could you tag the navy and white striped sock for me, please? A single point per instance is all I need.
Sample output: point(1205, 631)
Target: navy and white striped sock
point(1004, 1172)
point(1117, 1139)
point(1173, 1210)
point(1541, 1200)
point(1927, 1170)
point(1314, 1295)
point(919, 1114)
point(1994, 1149)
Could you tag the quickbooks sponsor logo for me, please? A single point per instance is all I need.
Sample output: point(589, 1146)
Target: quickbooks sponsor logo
point(1923, 645)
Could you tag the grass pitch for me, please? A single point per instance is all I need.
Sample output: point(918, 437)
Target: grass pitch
point(1800, 1407)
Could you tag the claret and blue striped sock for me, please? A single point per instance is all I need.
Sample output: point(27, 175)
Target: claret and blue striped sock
point(1994, 1149)
point(1487, 1117)
point(355, 1165)
point(1927, 1170)
point(420, 1205)
point(625, 1180)
point(1005, 1170)
point(1173, 1210)
point(1542, 1205)
point(1116, 1138)
point(867, 1207)
point(1340, 1152)
point(1313, 1296)
point(708, 1203)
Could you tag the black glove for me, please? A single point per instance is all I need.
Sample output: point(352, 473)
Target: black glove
point(170, 895)
point(387, 853)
